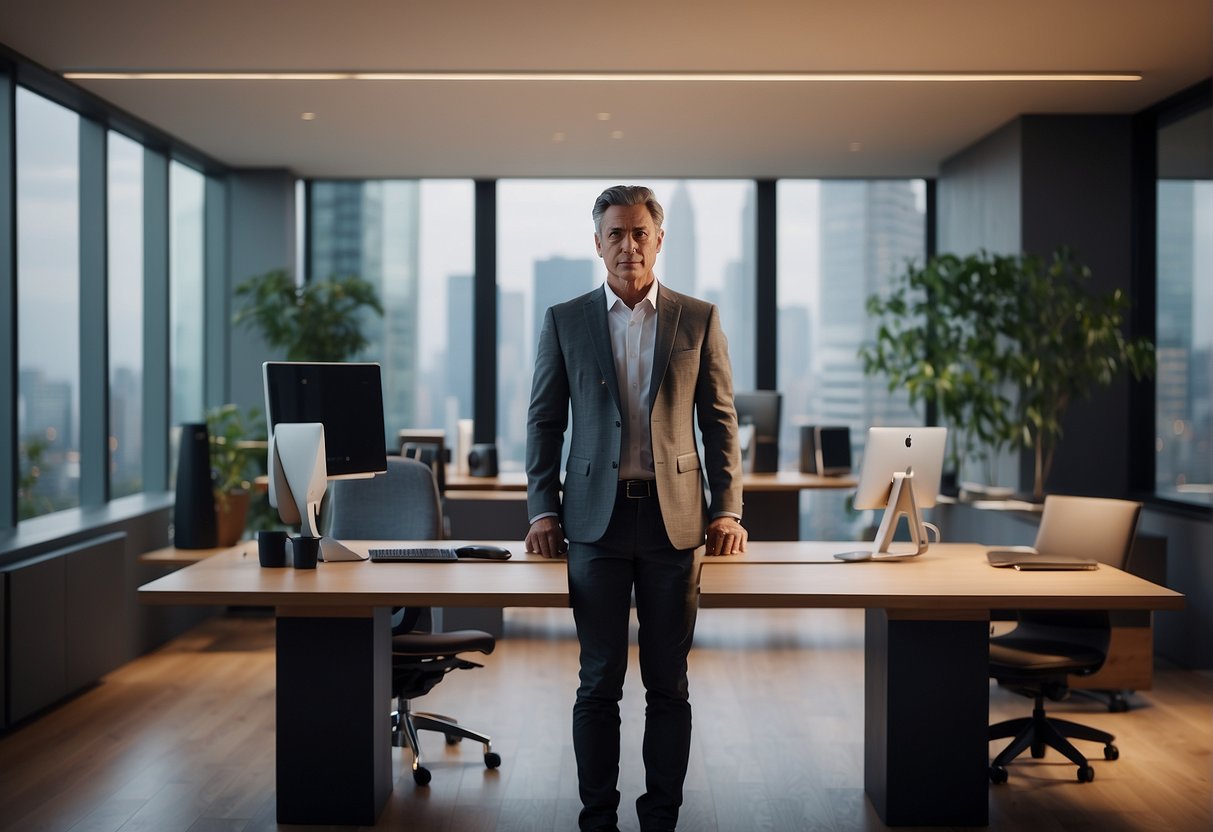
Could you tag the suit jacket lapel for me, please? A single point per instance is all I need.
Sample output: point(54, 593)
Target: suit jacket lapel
point(668, 312)
point(596, 325)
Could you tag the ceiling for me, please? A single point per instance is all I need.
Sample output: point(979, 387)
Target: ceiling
point(491, 129)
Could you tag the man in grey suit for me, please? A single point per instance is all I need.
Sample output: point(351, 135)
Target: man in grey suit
point(640, 364)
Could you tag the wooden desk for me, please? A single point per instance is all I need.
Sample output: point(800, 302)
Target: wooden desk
point(172, 556)
point(772, 501)
point(926, 656)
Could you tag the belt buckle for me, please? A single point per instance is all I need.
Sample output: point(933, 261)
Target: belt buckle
point(636, 489)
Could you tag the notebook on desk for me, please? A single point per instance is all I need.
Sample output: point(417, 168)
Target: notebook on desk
point(1026, 558)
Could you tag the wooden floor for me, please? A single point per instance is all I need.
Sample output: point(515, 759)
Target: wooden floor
point(183, 739)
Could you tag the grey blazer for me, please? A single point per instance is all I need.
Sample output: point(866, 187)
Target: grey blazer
point(692, 379)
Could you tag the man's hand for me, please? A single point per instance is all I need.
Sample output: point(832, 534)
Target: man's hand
point(546, 537)
point(726, 537)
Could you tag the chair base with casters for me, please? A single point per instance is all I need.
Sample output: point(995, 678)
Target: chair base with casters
point(419, 661)
point(1038, 732)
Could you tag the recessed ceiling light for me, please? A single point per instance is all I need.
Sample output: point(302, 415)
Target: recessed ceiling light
point(855, 147)
point(558, 137)
point(604, 116)
point(308, 116)
point(557, 76)
point(616, 134)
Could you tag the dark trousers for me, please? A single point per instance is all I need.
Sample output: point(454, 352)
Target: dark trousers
point(634, 553)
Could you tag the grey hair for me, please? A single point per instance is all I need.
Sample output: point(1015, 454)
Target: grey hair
point(627, 195)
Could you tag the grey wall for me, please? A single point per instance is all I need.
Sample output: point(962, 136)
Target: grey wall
point(261, 232)
point(1077, 191)
point(1032, 185)
point(978, 196)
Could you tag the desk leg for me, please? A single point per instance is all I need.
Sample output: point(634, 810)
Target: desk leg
point(926, 714)
point(334, 763)
point(772, 515)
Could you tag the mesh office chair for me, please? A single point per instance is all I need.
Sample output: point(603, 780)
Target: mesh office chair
point(404, 505)
point(1047, 646)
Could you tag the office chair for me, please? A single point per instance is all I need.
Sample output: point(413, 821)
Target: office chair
point(404, 505)
point(1047, 646)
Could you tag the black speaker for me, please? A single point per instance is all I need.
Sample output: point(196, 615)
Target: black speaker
point(482, 461)
point(764, 455)
point(194, 523)
point(825, 450)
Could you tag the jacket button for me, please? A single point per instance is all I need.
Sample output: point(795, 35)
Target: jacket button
point(614, 464)
point(618, 423)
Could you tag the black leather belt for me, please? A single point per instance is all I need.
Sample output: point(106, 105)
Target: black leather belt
point(638, 489)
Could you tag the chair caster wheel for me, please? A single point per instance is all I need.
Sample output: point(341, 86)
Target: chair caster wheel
point(1118, 705)
point(453, 739)
point(998, 774)
point(421, 776)
point(1111, 752)
point(1085, 774)
point(492, 759)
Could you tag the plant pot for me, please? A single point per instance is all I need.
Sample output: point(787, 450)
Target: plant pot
point(231, 514)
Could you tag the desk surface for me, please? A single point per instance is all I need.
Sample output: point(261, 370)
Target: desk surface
point(949, 577)
point(778, 481)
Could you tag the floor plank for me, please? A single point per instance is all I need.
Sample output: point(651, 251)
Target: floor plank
point(183, 739)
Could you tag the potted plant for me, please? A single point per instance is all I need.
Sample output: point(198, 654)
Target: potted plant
point(1002, 344)
point(935, 340)
point(318, 321)
point(234, 450)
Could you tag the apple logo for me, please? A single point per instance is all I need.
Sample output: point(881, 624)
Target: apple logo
point(907, 441)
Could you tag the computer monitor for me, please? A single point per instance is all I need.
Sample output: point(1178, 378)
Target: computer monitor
point(325, 422)
point(760, 409)
point(900, 473)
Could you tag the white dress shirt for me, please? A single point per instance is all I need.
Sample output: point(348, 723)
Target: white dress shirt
point(633, 339)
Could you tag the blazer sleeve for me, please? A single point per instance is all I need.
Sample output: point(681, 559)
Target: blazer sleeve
point(547, 419)
point(718, 421)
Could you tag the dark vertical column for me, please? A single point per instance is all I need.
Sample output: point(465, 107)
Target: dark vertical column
point(94, 317)
point(766, 326)
point(928, 247)
point(155, 321)
point(334, 763)
point(9, 469)
point(484, 294)
point(926, 713)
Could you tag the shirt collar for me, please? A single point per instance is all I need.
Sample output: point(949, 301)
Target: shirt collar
point(612, 298)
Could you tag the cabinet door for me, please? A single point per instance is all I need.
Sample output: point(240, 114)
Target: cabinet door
point(36, 644)
point(97, 613)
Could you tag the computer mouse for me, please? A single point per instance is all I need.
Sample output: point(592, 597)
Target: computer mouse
point(483, 550)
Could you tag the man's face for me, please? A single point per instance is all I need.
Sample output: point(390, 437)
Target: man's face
point(628, 242)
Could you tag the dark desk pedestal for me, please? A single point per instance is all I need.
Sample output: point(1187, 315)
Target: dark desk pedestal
point(926, 718)
point(334, 763)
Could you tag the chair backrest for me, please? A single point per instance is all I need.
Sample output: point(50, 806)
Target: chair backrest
point(1088, 527)
point(402, 504)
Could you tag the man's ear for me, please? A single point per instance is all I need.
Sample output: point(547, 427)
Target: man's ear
point(660, 238)
point(597, 245)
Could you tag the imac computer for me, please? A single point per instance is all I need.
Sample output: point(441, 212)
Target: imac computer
point(900, 474)
point(758, 417)
point(325, 422)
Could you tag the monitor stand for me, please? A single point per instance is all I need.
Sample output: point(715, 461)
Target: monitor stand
point(901, 504)
point(297, 467)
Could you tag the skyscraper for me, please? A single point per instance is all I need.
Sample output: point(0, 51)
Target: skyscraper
point(678, 266)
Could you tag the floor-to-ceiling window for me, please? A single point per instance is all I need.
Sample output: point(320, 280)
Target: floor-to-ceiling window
point(1184, 385)
point(187, 194)
point(839, 241)
point(48, 306)
point(124, 227)
point(545, 255)
point(413, 240)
